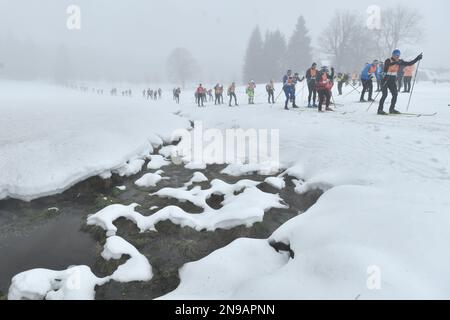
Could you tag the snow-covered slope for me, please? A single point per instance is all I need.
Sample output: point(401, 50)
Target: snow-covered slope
point(52, 138)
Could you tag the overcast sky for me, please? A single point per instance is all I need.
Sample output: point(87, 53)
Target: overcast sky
point(141, 33)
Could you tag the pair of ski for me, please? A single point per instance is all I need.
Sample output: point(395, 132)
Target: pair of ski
point(413, 115)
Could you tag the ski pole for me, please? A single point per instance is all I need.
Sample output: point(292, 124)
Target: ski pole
point(278, 96)
point(414, 83)
point(354, 89)
point(382, 89)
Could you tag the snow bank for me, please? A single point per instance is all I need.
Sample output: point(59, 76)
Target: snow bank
point(241, 261)
point(52, 138)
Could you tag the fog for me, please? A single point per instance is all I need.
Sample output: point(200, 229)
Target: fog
point(123, 40)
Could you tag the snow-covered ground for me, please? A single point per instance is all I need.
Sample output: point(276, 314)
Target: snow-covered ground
point(380, 231)
point(52, 138)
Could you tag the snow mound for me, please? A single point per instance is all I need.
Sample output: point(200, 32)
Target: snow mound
point(264, 169)
point(275, 182)
point(150, 179)
point(198, 177)
point(75, 283)
point(157, 162)
point(137, 268)
point(78, 282)
point(245, 208)
point(105, 217)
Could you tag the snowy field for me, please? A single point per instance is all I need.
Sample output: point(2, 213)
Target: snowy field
point(379, 232)
point(52, 138)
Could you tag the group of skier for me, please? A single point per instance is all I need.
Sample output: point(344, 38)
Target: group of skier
point(389, 76)
point(150, 94)
point(201, 95)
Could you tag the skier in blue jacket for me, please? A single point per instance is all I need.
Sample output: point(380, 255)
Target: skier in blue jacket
point(366, 78)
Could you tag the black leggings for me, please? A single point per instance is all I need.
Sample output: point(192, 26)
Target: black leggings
point(324, 96)
point(407, 83)
point(367, 86)
point(271, 96)
point(340, 84)
point(390, 83)
point(233, 95)
point(312, 92)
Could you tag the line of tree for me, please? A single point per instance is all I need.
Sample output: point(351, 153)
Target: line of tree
point(269, 57)
point(346, 42)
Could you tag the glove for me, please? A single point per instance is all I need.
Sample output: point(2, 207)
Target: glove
point(420, 57)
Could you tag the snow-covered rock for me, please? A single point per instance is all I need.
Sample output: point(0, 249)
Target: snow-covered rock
point(75, 283)
point(137, 268)
point(157, 162)
point(149, 179)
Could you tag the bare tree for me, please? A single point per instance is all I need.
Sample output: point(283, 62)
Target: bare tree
point(181, 66)
point(345, 40)
point(400, 26)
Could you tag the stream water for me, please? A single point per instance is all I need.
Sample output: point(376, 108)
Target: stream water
point(52, 233)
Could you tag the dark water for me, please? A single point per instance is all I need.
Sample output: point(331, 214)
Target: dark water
point(34, 237)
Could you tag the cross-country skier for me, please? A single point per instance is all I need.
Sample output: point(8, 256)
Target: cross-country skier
point(311, 75)
point(177, 93)
point(199, 95)
point(289, 89)
point(379, 75)
point(270, 88)
point(251, 92)
point(341, 79)
point(389, 82)
point(407, 77)
point(296, 80)
point(221, 94)
point(367, 76)
point(324, 84)
point(232, 94)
